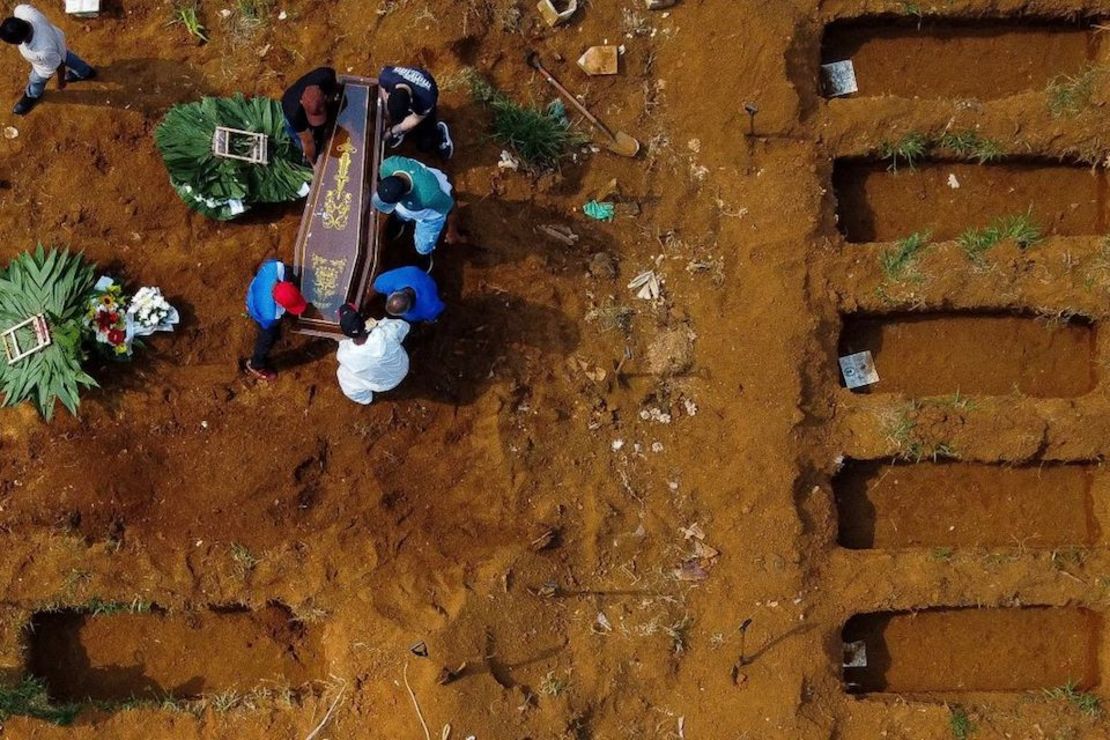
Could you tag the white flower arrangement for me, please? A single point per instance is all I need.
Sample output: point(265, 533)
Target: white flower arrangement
point(151, 312)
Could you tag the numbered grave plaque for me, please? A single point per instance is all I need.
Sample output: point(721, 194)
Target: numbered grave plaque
point(858, 370)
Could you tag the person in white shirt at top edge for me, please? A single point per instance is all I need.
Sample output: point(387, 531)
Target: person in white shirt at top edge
point(43, 45)
point(370, 361)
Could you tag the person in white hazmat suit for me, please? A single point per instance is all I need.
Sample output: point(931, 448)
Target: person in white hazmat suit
point(372, 359)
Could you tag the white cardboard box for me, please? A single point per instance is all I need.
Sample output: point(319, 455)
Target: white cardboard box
point(83, 8)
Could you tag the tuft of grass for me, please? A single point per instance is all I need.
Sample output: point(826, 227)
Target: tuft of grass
point(960, 724)
point(97, 608)
point(552, 685)
point(900, 428)
point(942, 554)
point(244, 560)
point(185, 15)
point(959, 401)
point(900, 261)
point(1084, 701)
point(1021, 229)
point(28, 698)
point(913, 9)
point(910, 148)
point(970, 145)
point(541, 137)
point(1070, 95)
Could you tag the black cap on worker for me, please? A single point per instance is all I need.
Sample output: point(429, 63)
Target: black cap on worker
point(14, 30)
point(399, 104)
point(391, 189)
point(351, 322)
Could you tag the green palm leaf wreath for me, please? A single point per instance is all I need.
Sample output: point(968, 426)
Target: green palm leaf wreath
point(223, 188)
point(57, 284)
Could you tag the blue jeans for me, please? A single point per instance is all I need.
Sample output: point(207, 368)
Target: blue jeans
point(294, 136)
point(36, 83)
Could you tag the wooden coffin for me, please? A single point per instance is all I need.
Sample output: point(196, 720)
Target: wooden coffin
point(336, 254)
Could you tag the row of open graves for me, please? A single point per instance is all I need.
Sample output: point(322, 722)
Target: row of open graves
point(909, 491)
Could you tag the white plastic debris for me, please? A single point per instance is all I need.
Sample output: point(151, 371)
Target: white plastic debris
point(953, 182)
point(617, 444)
point(83, 8)
point(508, 161)
point(11, 132)
point(282, 15)
point(646, 285)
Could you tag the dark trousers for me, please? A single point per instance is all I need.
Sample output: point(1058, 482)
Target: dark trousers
point(263, 343)
point(426, 134)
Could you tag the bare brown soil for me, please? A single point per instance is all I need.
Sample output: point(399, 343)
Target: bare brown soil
point(947, 650)
point(928, 355)
point(577, 497)
point(181, 656)
point(982, 59)
point(955, 504)
point(872, 206)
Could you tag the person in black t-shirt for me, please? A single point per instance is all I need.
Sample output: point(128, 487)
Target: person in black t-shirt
point(309, 108)
point(410, 95)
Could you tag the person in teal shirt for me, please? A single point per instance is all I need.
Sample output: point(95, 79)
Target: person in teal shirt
point(415, 192)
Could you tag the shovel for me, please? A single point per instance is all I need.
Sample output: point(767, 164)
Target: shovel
point(618, 143)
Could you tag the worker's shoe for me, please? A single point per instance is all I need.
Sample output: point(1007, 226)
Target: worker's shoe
point(24, 106)
point(395, 141)
point(72, 76)
point(260, 373)
point(446, 146)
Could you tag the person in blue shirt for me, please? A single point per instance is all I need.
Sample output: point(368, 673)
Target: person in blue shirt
point(269, 297)
point(411, 294)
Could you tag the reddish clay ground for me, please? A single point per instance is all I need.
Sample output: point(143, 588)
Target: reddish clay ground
point(538, 402)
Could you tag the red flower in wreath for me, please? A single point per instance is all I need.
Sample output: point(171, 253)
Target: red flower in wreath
point(116, 336)
point(106, 320)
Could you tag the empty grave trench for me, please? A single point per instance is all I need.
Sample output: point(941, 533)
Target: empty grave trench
point(875, 204)
point(925, 354)
point(938, 651)
point(882, 504)
point(931, 58)
point(184, 655)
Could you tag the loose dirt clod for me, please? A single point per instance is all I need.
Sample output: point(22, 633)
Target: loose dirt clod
point(671, 352)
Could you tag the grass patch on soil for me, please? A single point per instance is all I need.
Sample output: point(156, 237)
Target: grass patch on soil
point(960, 724)
point(185, 14)
point(909, 149)
point(899, 263)
point(1021, 229)
point(1070, 95)
point(1084, 701)
point(970, 145)
point(28, 698)
point(900, 428)
point(541, 137)
point(967, 144)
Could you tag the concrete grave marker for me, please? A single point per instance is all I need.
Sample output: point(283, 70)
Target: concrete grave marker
point(858, 370)
point(838, 78)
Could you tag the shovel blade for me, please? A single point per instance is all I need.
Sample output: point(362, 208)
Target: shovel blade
point(622, 144)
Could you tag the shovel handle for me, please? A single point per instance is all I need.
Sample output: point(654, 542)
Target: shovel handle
point(533, 60)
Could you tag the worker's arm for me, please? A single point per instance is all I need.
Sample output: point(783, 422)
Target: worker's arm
point(411, 122)
point(308, 143)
